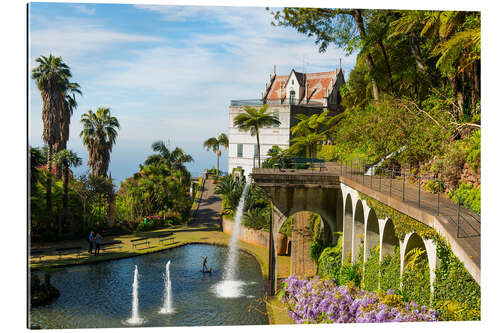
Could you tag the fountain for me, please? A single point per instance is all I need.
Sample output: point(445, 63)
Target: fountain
point(229, 287)
point(135, 319)
point(167, 297)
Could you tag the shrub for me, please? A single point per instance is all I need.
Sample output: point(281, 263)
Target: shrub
point(330, 260)
point(316, 249)
point(327, 152)
point(470, 194)
point(372, 270)
point(390, 270)
point(457, 296)
point(416, 277)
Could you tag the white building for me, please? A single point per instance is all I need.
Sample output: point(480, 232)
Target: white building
point(287, 95)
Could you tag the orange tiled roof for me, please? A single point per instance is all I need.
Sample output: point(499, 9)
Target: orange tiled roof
point(317, 85)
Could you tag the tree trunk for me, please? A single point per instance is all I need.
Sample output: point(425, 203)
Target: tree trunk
point(258, 145)
point(475, 85)
point(387, 64)
point(48, 195)
point(356, 13)
point(218, 156)
point(415, 50)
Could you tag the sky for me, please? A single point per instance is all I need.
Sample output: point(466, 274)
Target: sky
point(166, 72)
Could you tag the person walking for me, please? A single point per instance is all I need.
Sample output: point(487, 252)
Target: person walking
point(97, 239)
point(91, 241)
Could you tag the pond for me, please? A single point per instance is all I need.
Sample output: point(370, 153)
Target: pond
point(100, 295)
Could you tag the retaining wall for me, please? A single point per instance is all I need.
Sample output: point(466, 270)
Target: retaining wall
point(256, 237)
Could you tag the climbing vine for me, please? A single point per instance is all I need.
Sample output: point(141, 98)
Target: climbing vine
point(390, 270)
point(457, 296)
point(416, 278)
point(372, 270)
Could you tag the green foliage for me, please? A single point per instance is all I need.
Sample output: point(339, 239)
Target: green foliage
point(457, 296)
point(349, 274)
point(372, 270)
point(390, 270)
point(330, 261)
point(316, 249)
point(474, 150)
point(416, 277)
point(161, 187)
point(327, 152)
point(257, 218)
point(286, 227)
point(470, 194)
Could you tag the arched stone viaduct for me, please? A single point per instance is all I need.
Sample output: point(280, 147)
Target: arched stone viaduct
point(341, 209)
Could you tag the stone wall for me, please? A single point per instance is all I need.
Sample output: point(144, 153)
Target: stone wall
point(301, 263)
point(256, 237)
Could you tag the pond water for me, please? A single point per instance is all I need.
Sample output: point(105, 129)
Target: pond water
point(100, 295)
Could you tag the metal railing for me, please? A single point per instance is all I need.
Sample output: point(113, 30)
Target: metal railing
point(291, 162)
point(395, 183)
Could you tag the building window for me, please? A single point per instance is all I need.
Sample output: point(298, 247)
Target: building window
point(240, 150)
point(255, 150)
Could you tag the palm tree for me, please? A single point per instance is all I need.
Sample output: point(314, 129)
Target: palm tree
point(65, 159)
point(252, 120)
point(174, 160)
point(99, 135)
point(70, 105)
point(214, 144)
point(308, 141)
point(51, 77)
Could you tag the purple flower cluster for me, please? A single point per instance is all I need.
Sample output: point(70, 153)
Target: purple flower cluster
point(321, 301)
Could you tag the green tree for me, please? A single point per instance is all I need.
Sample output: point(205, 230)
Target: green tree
point(308, 142)
point(214, 144)
point(51, 77)
point(252, 120)
point(173, 160)
point(345, 28)
point(65, 159)
point(99, 135)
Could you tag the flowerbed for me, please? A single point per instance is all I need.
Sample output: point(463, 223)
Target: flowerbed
point(321, 301)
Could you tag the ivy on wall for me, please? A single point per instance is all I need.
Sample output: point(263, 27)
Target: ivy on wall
point(390, 270)
point(416, 279)
point(457, 296)
point(372, 270)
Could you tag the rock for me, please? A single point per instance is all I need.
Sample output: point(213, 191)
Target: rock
point(42, 294)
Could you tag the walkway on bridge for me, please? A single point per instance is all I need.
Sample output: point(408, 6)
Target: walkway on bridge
point(460, 226)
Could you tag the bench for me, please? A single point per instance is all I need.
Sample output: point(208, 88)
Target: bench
point(170, 233)
point(37, 254)
point(135, 245)
point(109, 245)
point(171, 239)
point(65, 249)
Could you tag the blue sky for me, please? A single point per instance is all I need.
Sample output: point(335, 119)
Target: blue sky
point(167, 72)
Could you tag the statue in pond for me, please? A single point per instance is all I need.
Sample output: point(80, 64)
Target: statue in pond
point(205, 269)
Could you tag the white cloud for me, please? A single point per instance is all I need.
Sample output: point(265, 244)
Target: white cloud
point(83, 9)
point(76, 37)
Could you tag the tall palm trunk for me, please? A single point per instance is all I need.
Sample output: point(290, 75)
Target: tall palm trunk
point(218, 156)
point(48, 195)
point(258, 145)
point(387, 64)
point(356, 13)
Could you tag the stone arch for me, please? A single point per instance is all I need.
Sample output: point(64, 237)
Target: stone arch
point(413, 240)
point(358, 223)
point(388, 238)
point(347, 228)
point(372, 233)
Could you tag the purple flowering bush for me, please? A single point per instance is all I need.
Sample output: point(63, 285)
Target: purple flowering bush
point(321, 301)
